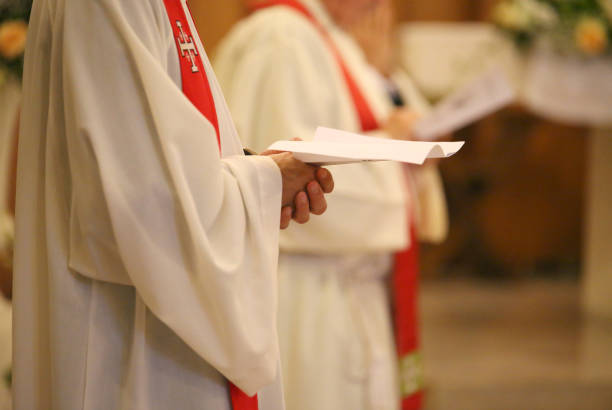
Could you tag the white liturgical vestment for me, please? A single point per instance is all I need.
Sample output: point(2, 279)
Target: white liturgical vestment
point(282, 81)
point(145, 261)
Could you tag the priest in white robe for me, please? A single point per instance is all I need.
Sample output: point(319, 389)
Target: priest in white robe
point(145, 266)
point(281, 77)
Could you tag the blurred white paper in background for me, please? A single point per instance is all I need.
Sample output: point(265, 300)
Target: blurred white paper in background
point(478, 98)
point(334, 147)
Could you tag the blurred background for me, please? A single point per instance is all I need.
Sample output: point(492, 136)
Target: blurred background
point(516, 305)
point(517, 190)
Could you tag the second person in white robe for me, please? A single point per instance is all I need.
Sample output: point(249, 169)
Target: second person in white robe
point(280, 78)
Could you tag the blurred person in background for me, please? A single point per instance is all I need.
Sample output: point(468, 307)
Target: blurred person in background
point(288, 68)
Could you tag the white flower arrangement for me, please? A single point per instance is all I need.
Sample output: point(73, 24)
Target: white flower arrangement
point(578, 27)
point(524, 15)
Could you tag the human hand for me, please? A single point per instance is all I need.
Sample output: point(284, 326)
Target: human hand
point(400, 123)
point(374, 34)
point(304, 188)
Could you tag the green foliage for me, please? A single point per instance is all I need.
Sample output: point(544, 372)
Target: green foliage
point(15, 9)
point(574, 7)
point(571, 10)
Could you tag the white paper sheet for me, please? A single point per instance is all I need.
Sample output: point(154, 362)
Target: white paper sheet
point(479, 98)
point(333, 147)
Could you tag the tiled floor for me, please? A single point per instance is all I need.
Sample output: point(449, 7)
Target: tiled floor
point(520, 346)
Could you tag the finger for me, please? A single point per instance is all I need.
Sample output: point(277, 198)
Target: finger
point(302, 208)
point(318, 204)
point(286, 215)
point(271, 152)
point(410, 115)
point(325, 179)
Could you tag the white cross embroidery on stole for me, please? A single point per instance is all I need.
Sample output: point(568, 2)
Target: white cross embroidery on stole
point(187, 46)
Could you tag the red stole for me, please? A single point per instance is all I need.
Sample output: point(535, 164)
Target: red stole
point(406, 262)
point(197, 89)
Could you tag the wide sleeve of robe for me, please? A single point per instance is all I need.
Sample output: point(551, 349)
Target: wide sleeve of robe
point(152, 203)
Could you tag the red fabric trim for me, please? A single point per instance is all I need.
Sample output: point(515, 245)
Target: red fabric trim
point(195, 84)
point(240, 401)
point(406, 288)
point(406, 283)
point(414, 402)
point(197, 89)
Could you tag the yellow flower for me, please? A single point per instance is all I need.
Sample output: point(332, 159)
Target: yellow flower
point(591, 36)
point(13, 38)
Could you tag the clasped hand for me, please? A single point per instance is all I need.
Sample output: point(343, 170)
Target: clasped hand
point(304, 188)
